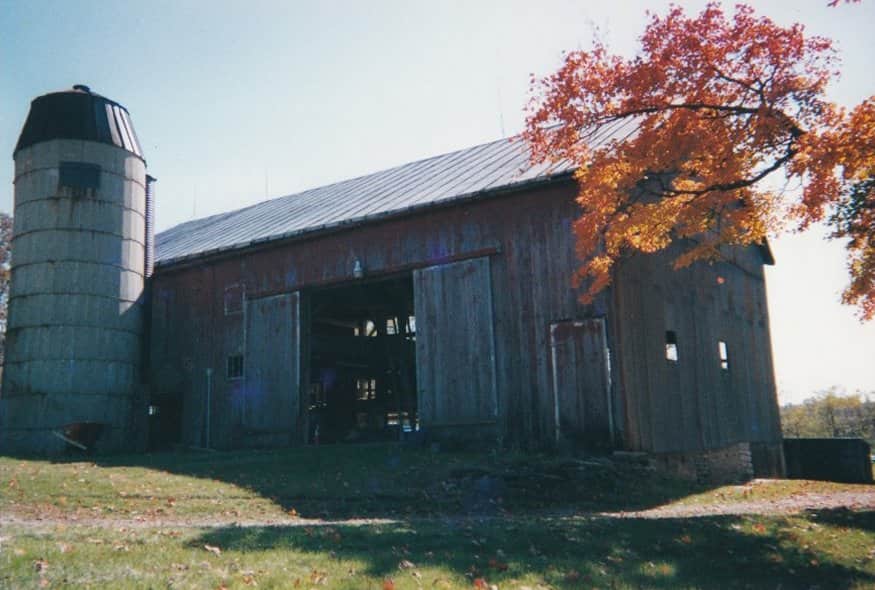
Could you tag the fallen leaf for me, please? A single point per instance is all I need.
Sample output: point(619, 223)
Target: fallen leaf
point(214, 550)
point(249, 580)
point(405, 565)
point(480, 583)
point(388, 584)
point(40, 565)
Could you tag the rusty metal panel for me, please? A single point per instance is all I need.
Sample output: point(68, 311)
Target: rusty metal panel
point(455, 348)
point(581, 382)
point(272, 369)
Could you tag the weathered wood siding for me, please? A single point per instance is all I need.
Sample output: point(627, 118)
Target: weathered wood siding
point(455, 347)
point(581, 382)
point(525, 235)
point(271, 393)
point(693, 403)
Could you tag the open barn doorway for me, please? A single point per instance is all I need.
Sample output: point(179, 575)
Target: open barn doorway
point(362, 384)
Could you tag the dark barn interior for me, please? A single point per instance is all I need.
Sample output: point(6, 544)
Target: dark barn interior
point(362, 384)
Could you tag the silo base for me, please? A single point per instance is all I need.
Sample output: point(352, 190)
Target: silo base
point(53, 425)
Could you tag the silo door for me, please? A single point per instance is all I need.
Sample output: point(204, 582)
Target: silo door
point(581, 382)
point(455, 348)
point(272, 371)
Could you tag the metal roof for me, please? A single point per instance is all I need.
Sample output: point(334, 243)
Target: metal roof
point(468, 173)
point(78, 114)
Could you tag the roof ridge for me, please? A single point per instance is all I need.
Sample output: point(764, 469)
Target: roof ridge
point(300, 193)
point(439, 179)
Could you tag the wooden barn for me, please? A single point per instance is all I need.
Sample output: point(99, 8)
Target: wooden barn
point(433, 301)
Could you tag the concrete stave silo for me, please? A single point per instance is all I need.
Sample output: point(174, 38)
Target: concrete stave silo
point(75, 326)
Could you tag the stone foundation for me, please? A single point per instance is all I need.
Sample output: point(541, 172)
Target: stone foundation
point(732, 464)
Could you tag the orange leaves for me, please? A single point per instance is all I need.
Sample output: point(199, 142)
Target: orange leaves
point(674, 144)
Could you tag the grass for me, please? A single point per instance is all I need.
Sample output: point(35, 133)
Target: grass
point(446, 520)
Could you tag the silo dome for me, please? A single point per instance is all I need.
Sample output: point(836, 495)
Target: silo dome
point(75, 323)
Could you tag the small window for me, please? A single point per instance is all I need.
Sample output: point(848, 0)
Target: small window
point(78, 179)
point(671, 346)
point(234, 367)
point(366, 389)
point(233, 299)
point(724, 355)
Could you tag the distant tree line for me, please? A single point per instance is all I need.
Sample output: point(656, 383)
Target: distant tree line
point(831, 414)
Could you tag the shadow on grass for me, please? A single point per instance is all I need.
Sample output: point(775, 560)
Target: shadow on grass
point(392, 481)
point(845, 518)
point(713, 552)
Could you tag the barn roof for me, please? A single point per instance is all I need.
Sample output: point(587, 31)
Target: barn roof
point(465, 174)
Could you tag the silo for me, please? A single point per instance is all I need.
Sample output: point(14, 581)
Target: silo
point(75, 324)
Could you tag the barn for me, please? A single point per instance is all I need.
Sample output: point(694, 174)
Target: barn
point(433, 301)
point(430, 303)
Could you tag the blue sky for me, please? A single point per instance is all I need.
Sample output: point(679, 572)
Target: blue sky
point(238, 101)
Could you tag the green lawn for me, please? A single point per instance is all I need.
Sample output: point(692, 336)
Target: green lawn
point(426, 520)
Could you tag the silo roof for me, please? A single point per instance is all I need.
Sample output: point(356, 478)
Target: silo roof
point(470, 173)
point(81, 114)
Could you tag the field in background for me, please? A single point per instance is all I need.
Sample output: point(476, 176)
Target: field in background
point(386, 517)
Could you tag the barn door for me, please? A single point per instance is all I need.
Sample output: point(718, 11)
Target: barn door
point(581, 382)
point(272, 369)
point(455, 350)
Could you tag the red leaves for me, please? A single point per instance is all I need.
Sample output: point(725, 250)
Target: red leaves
point(673, 144)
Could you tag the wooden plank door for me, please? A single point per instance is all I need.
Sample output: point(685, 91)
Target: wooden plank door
point(455, 348)
point(581, 382)
point(272, 369)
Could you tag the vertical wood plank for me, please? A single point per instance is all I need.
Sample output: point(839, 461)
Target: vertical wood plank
point(272, 368)
point(455, 348)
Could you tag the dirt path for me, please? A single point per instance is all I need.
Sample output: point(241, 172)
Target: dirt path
point(862, 500)
point(855, 501)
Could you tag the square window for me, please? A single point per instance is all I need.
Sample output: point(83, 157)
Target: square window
point(671, 346)
point(723, 352)
point(234, 367)
point(234, 295)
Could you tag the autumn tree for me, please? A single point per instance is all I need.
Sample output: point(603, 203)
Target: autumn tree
point(718, 133)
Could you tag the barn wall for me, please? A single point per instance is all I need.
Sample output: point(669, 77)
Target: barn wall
point(526, 236)
point(693, 404)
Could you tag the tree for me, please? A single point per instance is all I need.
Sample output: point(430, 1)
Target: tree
point(676, 144)
point(5, 259)
point(831, 413)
